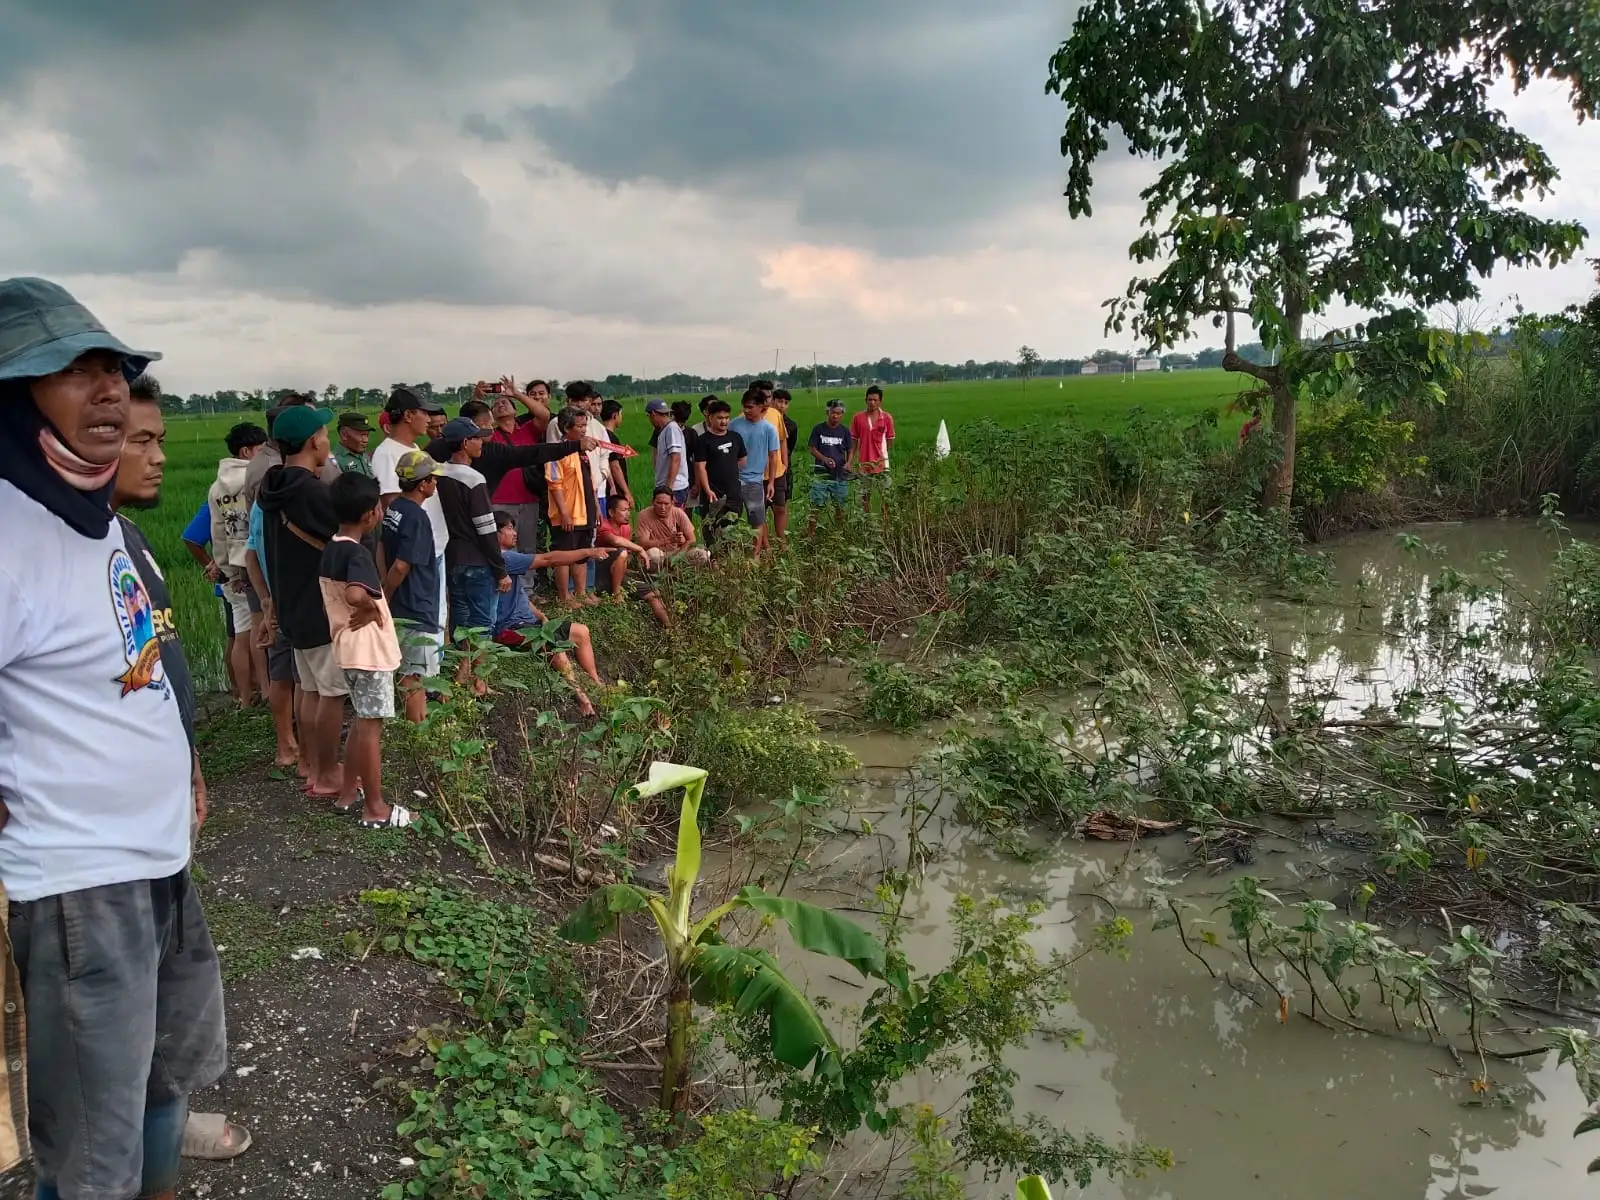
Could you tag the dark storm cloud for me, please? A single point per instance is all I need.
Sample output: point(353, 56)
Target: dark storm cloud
point(898, 122)
point(316, 149)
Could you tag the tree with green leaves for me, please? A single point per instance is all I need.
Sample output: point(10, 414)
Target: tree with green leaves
point(1321, 152)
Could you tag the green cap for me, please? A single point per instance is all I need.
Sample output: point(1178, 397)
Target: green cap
point(300, 423)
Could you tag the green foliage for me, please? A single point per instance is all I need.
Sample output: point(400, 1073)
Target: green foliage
point(763, 753)
point(511, 1114)
point(1016, 773)
point(967, 1015)
point(1352, 450)
point(903, 697)
point(739, 1155)
point(933, 1167)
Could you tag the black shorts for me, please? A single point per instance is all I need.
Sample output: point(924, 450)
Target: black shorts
point(781, 487)
point(580, 537)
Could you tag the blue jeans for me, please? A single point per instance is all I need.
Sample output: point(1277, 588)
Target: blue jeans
point(163, 1146)
point(472, 599)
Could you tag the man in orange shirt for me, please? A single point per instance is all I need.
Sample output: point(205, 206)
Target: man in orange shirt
point(571, 508)
point(871, 433)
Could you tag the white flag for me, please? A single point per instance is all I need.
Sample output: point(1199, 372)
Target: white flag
point(941, 444)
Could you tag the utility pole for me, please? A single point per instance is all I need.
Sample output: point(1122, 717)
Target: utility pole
point(813, 379)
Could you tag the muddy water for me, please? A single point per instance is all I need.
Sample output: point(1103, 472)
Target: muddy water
point(1251, 1108)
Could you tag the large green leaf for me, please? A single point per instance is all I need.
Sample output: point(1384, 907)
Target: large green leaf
point(1033, 1187)
point(597, 916)
point(752, 982)
point(820, 931)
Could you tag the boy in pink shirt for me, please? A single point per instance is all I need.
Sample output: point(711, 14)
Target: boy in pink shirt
point(364, 645)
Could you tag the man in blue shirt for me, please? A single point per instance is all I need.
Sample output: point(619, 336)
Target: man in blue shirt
point(196, 539)
point(516, 612)
point(763, 462)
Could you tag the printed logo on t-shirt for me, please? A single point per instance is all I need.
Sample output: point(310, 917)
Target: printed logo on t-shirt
point(137, 617)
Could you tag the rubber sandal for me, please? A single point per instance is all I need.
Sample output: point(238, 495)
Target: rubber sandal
point(399, 818)
point(211, 1136)
point(354, 805)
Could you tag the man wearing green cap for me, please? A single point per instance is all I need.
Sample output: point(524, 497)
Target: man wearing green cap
point(97, 786)
point(297, 521)
point(355, 431)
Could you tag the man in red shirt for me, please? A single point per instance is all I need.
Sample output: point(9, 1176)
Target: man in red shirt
point(513, 494)
point(871, 433)
point(616, 533)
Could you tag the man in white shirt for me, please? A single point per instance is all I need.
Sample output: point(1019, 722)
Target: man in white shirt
point(99, 784)
point(408, 418)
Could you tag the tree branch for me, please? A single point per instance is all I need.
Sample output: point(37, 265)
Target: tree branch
point(1231, 361)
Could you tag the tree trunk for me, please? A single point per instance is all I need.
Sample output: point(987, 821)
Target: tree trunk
point(1279, 488)
point(678, 1059)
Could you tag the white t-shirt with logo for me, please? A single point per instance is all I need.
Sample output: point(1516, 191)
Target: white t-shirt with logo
point(385, 459)
point(95, 767)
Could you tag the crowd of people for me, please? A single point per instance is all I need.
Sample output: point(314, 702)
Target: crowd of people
point(342, 569)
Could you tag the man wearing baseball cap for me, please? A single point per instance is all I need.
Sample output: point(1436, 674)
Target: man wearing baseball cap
point(672, 453)
point(297, 521)
point(109, 948)
point(355, 431)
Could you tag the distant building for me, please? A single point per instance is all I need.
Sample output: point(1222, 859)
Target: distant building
point(1090, 368)
point(1147, 364)
point(1180, 362)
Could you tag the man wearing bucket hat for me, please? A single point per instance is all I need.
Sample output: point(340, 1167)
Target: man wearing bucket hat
point(113, 958)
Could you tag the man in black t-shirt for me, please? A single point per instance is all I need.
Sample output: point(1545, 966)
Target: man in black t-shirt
point(830, 445)
point(718, 455)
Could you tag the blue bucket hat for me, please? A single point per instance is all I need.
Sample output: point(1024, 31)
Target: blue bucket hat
point(43, 329)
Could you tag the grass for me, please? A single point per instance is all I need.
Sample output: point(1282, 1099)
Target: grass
point(194, 444)
point(253, 938)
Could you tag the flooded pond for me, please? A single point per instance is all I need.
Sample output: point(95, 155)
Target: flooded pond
point(1251, 1108)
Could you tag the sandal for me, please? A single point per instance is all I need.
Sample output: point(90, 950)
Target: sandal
point(398, 818)
point(361, 798)
point(213, 1137)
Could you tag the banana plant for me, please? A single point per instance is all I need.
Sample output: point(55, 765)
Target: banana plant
point(702, 967)
point(1033, 1187)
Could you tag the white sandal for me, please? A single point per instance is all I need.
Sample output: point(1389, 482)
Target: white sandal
point(213, 1137)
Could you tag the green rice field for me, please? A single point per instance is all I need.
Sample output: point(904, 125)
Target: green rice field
point(194, 444)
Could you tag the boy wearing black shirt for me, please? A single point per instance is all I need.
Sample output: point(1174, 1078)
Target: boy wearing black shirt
point(718, 455)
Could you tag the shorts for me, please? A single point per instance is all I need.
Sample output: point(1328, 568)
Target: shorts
point(227, 618)
point(579, 537)
point(320, 672)
point(371, 693)
point(241, 618)
point(782, 487)
point(280, 661)
point(419, 655)
point(473, 599)
point(755, 502)
point(124, 1002)
point(680, 497)
point(829, 491)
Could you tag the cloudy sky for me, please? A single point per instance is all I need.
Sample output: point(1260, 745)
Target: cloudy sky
point(308, 192)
